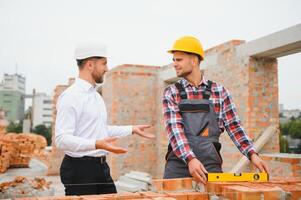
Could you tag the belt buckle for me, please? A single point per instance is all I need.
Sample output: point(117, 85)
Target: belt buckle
point(102, 159)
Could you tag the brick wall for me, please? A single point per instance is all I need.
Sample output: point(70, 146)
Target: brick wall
point(283, 165)
point(133, 95)
point(130, 95)
point(253, 85)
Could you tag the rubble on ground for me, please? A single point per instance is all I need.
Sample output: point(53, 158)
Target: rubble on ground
point(134, 182)
point(23, 187)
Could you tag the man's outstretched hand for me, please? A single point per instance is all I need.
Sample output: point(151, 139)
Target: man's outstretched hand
point(108, 144)
point(139, 130)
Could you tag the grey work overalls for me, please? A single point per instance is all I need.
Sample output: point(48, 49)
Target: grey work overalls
point(202, 132)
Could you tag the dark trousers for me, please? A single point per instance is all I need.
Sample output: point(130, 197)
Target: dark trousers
point(85, 176)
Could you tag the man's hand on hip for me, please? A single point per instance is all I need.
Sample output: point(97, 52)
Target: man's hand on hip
point(107, 144)
point(258, 162)
point(197, 170)
point(139, 130)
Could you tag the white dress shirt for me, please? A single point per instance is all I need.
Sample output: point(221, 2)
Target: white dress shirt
point(82, 119)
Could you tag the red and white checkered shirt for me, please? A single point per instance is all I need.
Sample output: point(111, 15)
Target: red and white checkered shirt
point(224, 108)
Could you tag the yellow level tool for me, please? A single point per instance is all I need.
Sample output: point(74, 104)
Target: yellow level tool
point(215, 177)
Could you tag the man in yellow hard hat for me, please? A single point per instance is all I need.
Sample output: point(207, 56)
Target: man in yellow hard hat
point(196, 111)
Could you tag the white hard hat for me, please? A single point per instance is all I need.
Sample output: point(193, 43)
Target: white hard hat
point(90, 49)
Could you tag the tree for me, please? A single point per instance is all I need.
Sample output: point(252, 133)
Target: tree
point(41, 129)
point(284, 129)
point(295, 129)
point(14, 127)
point(292, 128)
point(284, 148)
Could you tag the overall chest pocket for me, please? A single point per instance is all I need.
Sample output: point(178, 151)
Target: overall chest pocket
point(193, 108)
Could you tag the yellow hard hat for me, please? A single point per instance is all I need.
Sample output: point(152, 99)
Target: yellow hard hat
point(188, 44)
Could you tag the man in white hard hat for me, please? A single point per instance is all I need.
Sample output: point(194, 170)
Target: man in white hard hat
point(81, 129)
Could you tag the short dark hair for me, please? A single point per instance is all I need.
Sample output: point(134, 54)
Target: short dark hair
point(198, 56)
point(82, 62)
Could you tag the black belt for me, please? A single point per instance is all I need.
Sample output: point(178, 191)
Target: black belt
point(101, 159)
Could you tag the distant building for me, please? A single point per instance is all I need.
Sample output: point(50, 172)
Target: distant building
point(41, 109)
point(294, 144)
point(291, 113)
point(12, 94)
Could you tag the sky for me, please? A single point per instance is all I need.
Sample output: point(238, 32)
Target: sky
point(38, 37)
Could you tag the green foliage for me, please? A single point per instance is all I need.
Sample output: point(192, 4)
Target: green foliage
point(44, 131)
point(284, 148)
point(292, 128)
point(14, 127)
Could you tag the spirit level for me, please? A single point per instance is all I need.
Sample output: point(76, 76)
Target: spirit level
point(214, 177)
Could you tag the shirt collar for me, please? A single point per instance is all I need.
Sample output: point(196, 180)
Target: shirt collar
point(186, 83)
point(84, 84)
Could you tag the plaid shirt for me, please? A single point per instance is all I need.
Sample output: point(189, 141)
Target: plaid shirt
point(223, 106)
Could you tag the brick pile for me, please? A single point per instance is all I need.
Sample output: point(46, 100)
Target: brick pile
point(274, 189)
point(3, 122)
point(5, 152)
point(16, 150)
point(2, 130)
point(187, 189)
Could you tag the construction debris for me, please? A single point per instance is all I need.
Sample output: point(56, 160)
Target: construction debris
point(23, 187)
point(134, 182)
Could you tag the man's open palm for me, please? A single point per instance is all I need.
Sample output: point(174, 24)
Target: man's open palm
point(139, 130)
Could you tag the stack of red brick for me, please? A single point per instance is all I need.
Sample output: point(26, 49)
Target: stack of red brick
point(16, 150)
point(185, 189)
point(274, 189)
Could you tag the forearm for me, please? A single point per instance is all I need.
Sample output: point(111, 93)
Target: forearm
point(241, 139)
point(234, 127)
point(67, 142)
point(120, 131)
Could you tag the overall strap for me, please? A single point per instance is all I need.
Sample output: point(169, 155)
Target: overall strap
point(183, 95)
point(182, 92)
point(207, 91)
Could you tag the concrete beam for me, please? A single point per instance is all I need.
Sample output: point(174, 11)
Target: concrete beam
point(168, 74)
point(209, 61)
point(281, 43)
